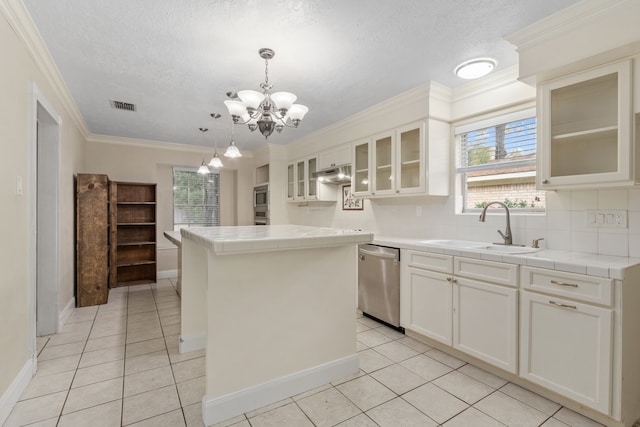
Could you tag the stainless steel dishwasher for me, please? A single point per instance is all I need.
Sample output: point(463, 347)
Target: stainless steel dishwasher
point(379, 283)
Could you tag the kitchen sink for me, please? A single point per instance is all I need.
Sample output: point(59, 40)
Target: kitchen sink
point(480, 246)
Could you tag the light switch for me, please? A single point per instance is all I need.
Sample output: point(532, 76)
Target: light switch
point(19, 185)
point(609, 218)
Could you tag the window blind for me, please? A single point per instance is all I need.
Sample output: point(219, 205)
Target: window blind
point(500, 146)
point(196, 198)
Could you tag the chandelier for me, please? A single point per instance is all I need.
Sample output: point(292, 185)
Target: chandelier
point(265, 111)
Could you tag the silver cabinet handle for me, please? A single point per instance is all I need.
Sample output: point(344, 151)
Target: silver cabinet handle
point(545, 181)
point(563, 305)
point(451, 280)
point(572, 285)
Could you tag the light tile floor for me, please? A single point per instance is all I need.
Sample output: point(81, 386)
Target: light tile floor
point(118, 364)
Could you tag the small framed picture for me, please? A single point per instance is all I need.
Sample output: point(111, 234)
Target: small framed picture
point(350, 203)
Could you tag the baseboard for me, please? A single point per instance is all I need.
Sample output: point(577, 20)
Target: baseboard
point(15, 390)
point(192, 343)
point(66, 313)
point(221, 408)
point(166, 274)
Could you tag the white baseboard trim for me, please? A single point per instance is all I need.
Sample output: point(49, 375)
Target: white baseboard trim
point(66, 313)
point(192, 343)
point(15, 390)
point(215, 410)
point(166, 274)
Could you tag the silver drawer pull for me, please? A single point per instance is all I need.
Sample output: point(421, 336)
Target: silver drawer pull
point(573, 285)
point(563, 305)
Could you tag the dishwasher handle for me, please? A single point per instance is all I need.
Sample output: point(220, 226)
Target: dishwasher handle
point(376, 254)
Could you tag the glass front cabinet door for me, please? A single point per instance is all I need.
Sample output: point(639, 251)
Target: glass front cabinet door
point(584, 129)
point(301, 188)
point(383, 161)
point(410, 174)
point(290, 181)
point(361, 179)
point(312, 188)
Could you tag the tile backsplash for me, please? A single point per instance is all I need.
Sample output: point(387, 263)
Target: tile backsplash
point(563, 226)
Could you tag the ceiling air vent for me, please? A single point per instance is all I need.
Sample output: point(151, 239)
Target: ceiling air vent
point(119, 105)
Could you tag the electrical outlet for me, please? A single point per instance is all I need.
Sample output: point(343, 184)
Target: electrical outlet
point(607, 218)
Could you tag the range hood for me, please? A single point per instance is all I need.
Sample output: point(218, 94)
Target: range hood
point(334, 175)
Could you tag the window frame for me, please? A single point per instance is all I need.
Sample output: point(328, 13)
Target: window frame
point(216, 207)
point(483, 122)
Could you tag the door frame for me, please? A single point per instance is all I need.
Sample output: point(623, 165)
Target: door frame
point(44, 247)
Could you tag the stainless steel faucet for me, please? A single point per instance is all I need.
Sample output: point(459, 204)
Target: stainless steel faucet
point(506, 236)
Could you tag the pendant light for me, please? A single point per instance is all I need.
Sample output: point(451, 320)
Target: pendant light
point(215, 162)
point(203, 169)
point(232, 149)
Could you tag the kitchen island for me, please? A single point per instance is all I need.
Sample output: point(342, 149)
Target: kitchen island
point(274, 306)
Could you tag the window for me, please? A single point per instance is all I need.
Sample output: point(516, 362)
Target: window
point(196, 198)
point(497, 161)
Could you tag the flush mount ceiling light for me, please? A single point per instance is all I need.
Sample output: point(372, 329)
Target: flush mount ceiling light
point(265, 111)
point(215, 160)
point(475, 68)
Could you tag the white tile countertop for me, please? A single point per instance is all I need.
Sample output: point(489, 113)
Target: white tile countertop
point(173, 237)
point(573, 262)
point(259, 238)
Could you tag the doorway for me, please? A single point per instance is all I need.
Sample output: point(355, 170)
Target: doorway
point(44, 201)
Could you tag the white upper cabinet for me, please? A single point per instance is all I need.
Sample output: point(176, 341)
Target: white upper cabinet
point(337, 156)
point(303, 187)
point(411, 159)
point(585, 129)
point(360, 171)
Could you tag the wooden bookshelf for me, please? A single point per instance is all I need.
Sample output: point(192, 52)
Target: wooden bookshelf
point(133, 233)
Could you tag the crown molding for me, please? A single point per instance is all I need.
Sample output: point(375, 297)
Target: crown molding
point(488, 83)
point(20, 21)
point(420, 94)
point(151, 144)
point(561, 22)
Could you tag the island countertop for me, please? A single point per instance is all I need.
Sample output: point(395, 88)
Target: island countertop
point(259, 238)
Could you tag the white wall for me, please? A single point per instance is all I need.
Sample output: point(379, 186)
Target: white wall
point(144, 161)
point(22, 67)
point(563, 226)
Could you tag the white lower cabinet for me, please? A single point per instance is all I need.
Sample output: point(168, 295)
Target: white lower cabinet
point(473, 316)
point(566, 346)
point(565, 332)
point(429, 312)
point(485, 322)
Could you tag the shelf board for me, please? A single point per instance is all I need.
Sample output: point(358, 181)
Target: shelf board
point(411, 162)
point(136, 223)
point(585, 132)
point(362, 170)
point(136, 203)
point(134, 263)
point(383, 166)
point(141, 243)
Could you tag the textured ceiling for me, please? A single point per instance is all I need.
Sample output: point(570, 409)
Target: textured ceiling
point(176, 59)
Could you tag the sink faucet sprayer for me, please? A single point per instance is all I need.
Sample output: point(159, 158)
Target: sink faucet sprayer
point(508, 238)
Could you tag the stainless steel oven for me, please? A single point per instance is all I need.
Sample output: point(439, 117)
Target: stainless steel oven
point(261, 196)
point(261, 205)
point(261, 215)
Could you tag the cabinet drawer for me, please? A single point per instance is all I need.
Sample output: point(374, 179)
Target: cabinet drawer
point(495, 272)
point(578, 286)
point(436, 262)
